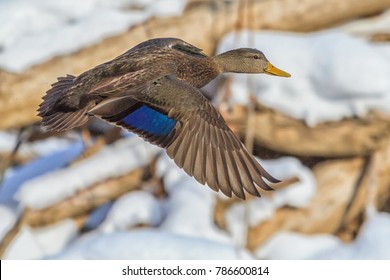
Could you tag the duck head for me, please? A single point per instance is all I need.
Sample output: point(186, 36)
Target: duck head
point(246, 60)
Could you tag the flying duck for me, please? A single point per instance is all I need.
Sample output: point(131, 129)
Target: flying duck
point(153, 91)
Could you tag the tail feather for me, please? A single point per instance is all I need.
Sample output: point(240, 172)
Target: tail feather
point(53, 119)
point(53, 94)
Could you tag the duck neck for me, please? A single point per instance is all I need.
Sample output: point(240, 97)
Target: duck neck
point(226, 62)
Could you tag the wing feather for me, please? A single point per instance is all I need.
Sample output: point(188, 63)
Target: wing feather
point(200, 142)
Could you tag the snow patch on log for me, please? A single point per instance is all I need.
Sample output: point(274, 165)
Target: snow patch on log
point(115, 160)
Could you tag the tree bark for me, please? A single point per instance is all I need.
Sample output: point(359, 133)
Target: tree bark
point(349, 137)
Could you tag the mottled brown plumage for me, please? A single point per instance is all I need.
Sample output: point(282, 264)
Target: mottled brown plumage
point(153, 90)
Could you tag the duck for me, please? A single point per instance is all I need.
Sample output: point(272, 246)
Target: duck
point(153, 90)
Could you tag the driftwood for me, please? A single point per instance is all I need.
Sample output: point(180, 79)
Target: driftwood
point(77, 206)
point(20, 94)
point(350, 137)
point(345, 187)
point(336, 181)
point(85, 201)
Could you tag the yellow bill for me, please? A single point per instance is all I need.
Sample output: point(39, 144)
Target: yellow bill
point(272, 70)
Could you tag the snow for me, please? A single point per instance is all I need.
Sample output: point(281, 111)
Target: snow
point(39, 243)
point(182, 189)
point(297, 194)
point(167, 8)
point(182, 220)
point(190, 205)
point(329, 81)
point(372, 242)
point(253, 212)
point(23, 246)
point(7, 221)
point(35, 31)
point(368, 26)
point(132, 209)
point(97, 216)
point(8, 141)
point(115, 160)
point(236, 218)
point(143, 244)
point(296, 246)
point(15, 177)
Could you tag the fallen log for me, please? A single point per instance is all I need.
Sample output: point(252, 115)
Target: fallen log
point(85, 201)
point(76, 206)
point(345, 187)
point(349, 137)
point(336, 181)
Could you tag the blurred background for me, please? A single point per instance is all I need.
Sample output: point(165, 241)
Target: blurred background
point(99, 192)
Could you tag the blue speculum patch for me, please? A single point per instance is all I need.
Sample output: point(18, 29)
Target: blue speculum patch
point(150, 121)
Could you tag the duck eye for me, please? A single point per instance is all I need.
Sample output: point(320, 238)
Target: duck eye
point(256, 56)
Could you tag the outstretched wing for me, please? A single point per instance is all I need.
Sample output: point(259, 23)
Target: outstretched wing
point(176, 116)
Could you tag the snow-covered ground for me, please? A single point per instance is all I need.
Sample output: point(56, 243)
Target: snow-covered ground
point(334, 75)
point(372, 242)
point(150, 244)
point(174, 221)
point(38, 243)
point(179, 226)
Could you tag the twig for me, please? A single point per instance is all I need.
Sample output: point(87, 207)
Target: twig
point(23, 135)
point(367, 161)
